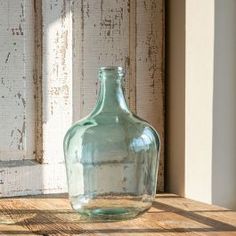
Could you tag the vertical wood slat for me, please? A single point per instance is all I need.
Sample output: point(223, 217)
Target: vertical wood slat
point(42, 44)
point(101, 37)
point(38, 79)
point(17, 116)
point(149, 78)
point(132, 9)
point(57, 77)
point(127, 33)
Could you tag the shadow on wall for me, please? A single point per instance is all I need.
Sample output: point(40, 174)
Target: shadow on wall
point(175, 97)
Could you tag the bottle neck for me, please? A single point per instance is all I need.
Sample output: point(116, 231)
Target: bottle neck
point(111, 98)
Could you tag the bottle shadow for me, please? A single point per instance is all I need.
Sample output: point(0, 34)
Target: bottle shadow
point(161, 218)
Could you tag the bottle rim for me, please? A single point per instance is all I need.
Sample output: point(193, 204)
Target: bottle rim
point(116, 69)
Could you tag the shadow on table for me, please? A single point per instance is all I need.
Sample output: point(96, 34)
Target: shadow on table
point(48, 222)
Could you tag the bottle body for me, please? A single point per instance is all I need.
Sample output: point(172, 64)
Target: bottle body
point(112, 160)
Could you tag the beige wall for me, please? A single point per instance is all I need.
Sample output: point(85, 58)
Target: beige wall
point(201, 91)
point(199, 53)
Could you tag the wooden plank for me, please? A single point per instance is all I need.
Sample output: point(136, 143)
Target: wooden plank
point(127, 33)
point(101, 38)
point(57, 77)
point(170, 215)
point(132, 92)
point(149, 69)
point(38, 28)
point(17, 104)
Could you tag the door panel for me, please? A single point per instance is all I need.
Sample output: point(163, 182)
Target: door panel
point(50, 52)
point(38, 36)
point(122, 33)
point(17, 116)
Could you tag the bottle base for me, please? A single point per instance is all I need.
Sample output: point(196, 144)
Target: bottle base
point(112, 209)
point(110, 214)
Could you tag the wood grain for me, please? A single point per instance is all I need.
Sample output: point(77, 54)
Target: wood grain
point(170, 215)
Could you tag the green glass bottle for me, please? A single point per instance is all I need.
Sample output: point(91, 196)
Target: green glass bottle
point(111, 156)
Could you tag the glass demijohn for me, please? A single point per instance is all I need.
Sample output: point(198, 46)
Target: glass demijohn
point(111, 156)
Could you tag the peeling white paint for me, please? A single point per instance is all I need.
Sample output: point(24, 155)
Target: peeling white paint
point(17, 116)
point(126, 33)
point(149, 74)
point(77, 38)
point(57, 77)
point(27, 178)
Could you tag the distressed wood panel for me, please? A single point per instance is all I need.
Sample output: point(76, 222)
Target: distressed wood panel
point(38, 40)
point(98, 33)
point(28, 177)
point(126, 33)
point(17, 116)
point(101, 37)
point(52, 47)
point(149, 73)
point(57, 77)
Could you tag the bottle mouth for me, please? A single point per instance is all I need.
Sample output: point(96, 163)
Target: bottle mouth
point(112, 70)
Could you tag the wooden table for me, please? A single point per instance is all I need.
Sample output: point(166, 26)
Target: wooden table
point(170, 215)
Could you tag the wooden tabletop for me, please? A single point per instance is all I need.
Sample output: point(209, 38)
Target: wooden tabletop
point(170, 215)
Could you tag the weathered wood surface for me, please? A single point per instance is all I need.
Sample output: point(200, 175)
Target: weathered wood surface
point(170, 215)
point(17, 111)
point(149, 69)
point(56, 77)
point(126, 33)
point(50, 54)
point(28, 177)
point(38, 36)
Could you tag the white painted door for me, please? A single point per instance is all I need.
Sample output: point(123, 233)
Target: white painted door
point(17, 102)
point(36, 96)
point(50, 52)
